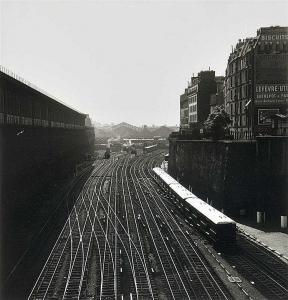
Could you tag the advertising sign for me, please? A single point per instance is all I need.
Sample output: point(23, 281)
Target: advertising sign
point(274, 37)
point(267, 94)
point(264, 116)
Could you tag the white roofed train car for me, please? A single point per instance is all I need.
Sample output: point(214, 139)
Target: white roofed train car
point(180, 191)
point(212, 223)
point(164, 178)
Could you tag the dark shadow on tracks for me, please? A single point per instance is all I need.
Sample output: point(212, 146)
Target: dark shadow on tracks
point(20, 281)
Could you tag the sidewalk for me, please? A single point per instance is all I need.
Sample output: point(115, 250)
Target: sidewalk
point(277, 241)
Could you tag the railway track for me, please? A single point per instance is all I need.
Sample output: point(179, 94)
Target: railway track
point(261, 268)
point(124, 240)
point(58, 274)
point(198, 280)
point(44, 237)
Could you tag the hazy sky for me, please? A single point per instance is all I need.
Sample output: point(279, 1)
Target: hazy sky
point(126, 60)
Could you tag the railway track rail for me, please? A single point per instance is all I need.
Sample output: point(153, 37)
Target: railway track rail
point(259, 266)
point(125, 240)
point(199, 279)
point(57, 276)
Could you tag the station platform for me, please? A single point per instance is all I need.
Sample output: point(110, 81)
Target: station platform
point(276, 241)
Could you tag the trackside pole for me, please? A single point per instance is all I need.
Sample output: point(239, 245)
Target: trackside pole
point(260, 217)
point(283, 221)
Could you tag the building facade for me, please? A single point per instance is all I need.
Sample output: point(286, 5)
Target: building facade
point(184, 111)
point(256, 84)
point(195, 102)
point(238, 88)
point(217, 99)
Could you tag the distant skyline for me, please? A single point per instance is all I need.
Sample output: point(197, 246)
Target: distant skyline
point(99, 125)
point(126, 60)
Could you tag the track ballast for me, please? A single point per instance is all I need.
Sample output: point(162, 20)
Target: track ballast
point(123, 240)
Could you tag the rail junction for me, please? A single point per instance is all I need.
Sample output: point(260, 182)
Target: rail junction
point(125, 240)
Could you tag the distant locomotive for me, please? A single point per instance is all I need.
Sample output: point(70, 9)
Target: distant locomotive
point(216, 226)
point(107, 154)
point(134, 151)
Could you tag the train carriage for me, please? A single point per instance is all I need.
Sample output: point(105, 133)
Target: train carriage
point(166, 179)
point(180, 191)
point(216, 226)
point(211, 222)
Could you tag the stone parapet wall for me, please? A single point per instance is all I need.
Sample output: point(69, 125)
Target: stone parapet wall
point(234, 175)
